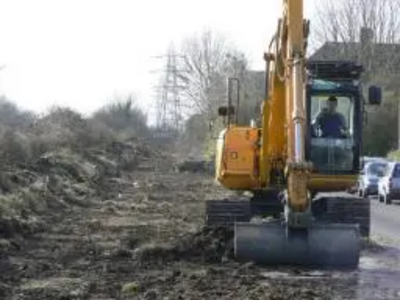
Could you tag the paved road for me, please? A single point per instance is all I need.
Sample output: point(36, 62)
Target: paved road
point(386, 221)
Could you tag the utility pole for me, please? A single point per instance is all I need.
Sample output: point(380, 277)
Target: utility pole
point(168, 102)
point(396, 96)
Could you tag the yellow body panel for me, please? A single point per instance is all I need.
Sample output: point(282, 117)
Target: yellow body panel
point(331, 183)
point(236, 159)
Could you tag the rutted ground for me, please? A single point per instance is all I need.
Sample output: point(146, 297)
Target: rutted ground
point(142, 239)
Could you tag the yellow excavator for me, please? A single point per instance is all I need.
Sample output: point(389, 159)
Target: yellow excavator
point(299, 161)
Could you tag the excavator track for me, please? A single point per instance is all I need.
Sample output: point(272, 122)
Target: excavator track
point(335, 208)
point(227, 212)
point(343, 208)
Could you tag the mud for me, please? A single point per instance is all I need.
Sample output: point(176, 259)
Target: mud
point(143, 239)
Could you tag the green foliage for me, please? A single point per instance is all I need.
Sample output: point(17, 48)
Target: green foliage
point(130, 289)
point(380, 133)
point(394, 155)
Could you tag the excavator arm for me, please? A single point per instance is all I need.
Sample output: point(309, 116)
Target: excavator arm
point(284, 114)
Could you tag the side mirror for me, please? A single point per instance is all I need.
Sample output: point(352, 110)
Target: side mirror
point(226, 111)
point(374, 95)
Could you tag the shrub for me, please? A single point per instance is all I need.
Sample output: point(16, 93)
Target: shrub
point(394, 155)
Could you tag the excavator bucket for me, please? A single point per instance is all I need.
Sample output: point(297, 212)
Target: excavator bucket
point(322, 245)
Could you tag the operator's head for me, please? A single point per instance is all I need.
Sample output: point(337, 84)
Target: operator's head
point(332, 103)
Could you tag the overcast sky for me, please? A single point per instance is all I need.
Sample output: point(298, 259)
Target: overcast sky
point(81, 53)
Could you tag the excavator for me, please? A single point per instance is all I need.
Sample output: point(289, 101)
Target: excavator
point(300, 210)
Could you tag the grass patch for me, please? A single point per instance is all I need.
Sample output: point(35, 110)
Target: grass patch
point(130, 289)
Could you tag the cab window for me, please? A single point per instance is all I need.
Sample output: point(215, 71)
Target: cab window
point(332, 130)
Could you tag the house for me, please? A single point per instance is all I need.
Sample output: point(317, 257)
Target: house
point(382, 58)
point(377, 58)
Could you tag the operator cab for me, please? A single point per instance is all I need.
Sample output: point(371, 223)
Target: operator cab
point(335, 112)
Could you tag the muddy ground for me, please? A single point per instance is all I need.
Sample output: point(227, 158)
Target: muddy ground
point(144, 240)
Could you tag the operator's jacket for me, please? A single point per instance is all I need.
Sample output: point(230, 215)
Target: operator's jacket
point(330, 124)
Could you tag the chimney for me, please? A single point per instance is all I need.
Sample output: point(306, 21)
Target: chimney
point(365, 50)
point(366, 36)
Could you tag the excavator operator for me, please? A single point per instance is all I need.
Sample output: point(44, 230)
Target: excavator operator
point(329, 122)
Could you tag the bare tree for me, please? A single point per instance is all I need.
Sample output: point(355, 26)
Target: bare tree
point(360, 30)
point(208, 60)
point(341, 20)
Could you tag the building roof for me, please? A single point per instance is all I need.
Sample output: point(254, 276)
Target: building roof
point(374, 56)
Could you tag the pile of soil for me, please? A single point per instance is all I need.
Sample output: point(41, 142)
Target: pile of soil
point(209, 245)
point(66, 178)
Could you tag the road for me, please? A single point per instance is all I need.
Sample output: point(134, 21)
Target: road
point(386, 222)
point(379, 272)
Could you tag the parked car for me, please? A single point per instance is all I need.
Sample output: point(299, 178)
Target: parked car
point(371, 174)
point(389, 185)
point(366, 159)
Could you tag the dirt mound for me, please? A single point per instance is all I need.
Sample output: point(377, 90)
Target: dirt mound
point(210, 245)
point(196, 166)
point(65, 178)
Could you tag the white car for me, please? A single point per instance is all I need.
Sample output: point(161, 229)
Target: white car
point(370, 176)
point(389, 184)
